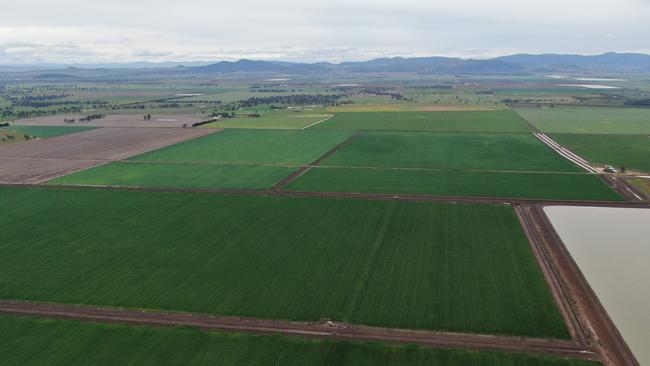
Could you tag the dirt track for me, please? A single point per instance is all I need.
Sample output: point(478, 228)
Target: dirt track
point(38, 161)
point(585, 315)
point(293, 176)
point(352, 195)
point(322, 329)
point(627, 190)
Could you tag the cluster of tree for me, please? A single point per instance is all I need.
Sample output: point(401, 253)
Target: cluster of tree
point(639, 103)
point(435, 86)
point(382, 92)
point(91, 117)
point(223, 114)
point(269, 90)
point(47, 101)
point(10, 112)
point(296, 99)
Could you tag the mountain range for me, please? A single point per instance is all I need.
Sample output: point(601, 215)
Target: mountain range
point(518, 64)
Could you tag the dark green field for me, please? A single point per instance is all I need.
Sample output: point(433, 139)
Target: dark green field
point(456, 183)
point(630, 151)
point(37, 342)
point(480, 151)
point(179, 175)
point(477, 121)
point(465, 268)
point(252, 146)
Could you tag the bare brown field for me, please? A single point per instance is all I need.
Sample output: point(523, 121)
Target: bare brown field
point(115, 120)
point(42, 160)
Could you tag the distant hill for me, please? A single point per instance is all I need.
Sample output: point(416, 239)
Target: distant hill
point(519, 64)
point(606, 62)
point(514, 64)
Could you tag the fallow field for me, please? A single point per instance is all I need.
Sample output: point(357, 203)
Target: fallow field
point(233, 159)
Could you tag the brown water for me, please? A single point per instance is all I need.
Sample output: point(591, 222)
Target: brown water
point(612, 248)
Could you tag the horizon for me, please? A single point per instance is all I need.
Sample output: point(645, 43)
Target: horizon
point(208, 62)
point(332, 31)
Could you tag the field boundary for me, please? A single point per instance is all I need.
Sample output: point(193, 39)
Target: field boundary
point(108, 161)
point(599, 330)
point(352, 195)
point(620, 185)
point(558, 290)
point(291, 177)
point(315, 123)
point(323, 329)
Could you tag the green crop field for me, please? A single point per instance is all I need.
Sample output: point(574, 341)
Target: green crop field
point(252, 146)
point(480, 151)
point(456, 183)
point(385, 263)
point(44, 131)
point(587, 120)
point(630, 151)
point(179, 175)
point(271, 121)
point(643, 184)
point(478, 121)
point(38, 342)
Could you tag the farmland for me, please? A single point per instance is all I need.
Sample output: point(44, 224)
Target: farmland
point(589, 120)
point(314, 212)
point(32, 342)
point(479, 121)
point(43, 131)
point(41, 160)
point(486, 151)
point(456, 183)
point(629, 151)
point(270, 120)
point(200, 258)
point(252, 146)
point(643, 184)
point(179, 175)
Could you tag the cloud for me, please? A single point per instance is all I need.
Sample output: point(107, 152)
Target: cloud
point(316, 30)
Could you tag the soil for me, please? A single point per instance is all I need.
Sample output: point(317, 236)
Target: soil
point(35, 162)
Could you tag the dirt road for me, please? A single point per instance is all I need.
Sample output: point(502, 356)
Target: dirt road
point(585, 315)
point(321, 329)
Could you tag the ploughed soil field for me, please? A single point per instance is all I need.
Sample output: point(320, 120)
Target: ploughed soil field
point(230, 159)
point(38, 161)
point(435, 266)
point(30, 341)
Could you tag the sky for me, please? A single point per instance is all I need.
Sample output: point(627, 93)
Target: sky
point(93, 31)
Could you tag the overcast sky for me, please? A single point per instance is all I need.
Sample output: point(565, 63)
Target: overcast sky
point(87, 31)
